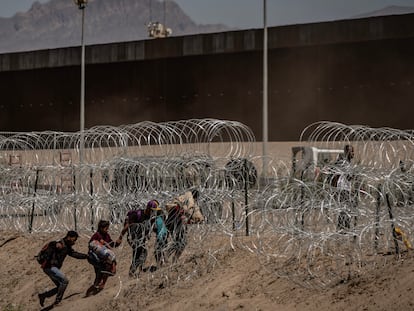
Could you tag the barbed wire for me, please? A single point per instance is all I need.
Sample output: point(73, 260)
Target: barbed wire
point(298, 219)
point(326, 233)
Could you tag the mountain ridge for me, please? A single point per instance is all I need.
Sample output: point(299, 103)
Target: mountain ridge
point(388, 10)
point(57, 23)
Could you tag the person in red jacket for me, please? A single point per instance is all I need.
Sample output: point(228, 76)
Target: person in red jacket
point(101, 256)
point(57, 252)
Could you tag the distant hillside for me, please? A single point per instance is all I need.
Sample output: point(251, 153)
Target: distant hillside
point(389, 10)
point(57, 23)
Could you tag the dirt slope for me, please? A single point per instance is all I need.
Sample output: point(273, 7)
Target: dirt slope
point(215, 278)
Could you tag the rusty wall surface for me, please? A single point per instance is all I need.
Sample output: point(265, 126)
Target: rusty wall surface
point(355, 72)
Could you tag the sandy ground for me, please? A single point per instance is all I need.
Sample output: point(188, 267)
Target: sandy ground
point(212, 277)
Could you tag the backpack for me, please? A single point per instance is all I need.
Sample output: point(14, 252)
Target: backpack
point(101, 251)
point(45, 254)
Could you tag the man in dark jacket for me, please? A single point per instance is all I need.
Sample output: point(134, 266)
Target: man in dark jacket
point(57, 252)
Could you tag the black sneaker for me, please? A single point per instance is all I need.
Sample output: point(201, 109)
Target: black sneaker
point(93, 290)
point(41, 299)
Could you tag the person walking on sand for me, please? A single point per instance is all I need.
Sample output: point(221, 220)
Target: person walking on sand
point(56, 254)
point(182, 211)
point(176, 224)
point(101, 257)
point(137, 225)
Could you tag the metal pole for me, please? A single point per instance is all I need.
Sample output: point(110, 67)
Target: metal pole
point(74, 204)
point(233, 213)
point(265, 92)
point(91, 193)
point(34, 200)
point(82, 95)
point(394, 235)
point(377, 218)
point(246, 195)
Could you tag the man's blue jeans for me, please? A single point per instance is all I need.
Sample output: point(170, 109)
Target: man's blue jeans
point(60, 280)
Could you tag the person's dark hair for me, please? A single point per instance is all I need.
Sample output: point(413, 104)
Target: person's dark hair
point(102, 224)
point(72, 234)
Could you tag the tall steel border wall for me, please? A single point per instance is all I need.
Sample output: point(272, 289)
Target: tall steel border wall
point(352, 71)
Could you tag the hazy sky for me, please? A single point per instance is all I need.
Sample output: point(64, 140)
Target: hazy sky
point(249, 13)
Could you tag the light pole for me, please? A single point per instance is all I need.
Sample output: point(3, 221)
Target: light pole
point(82, 5)
point(265, 93)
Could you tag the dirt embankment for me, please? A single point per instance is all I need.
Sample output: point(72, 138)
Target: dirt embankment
point(219, 278)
